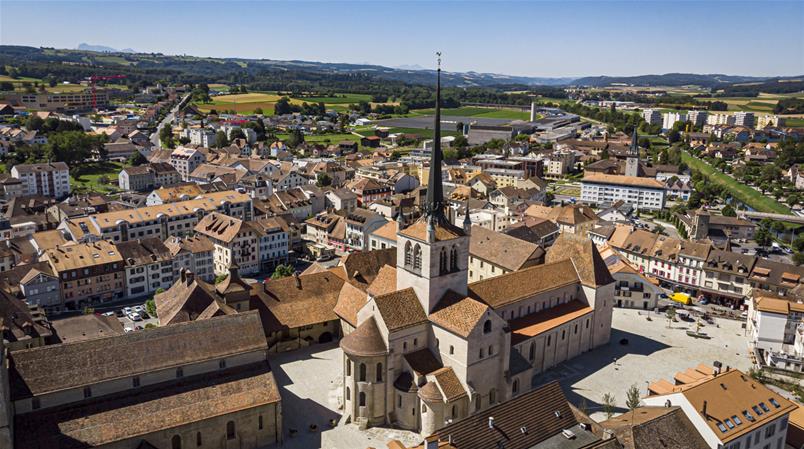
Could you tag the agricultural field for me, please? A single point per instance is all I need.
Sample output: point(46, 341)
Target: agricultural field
point(764, 103)
point(58, 88)
point(246, 103)
point(337, 99)
point(325, 138)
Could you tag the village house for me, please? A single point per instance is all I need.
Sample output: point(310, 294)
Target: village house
point(89, 273)
point(235, 241)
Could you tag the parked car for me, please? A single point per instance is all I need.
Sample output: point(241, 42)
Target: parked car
point(108, 314)
point(119, 313)
point(128, 329)
point(135, 316)
point(139, 309)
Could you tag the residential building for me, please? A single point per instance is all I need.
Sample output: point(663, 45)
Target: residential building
point(652, 116)
point(89, 273)
point(186, 160)
point(360, 223)
point(138, 178)
point(384, 236)
point(632, 289)
point(235, 240)
point(173, 194)
point(697, 118)
point(731, 410)
point(36, 283)
point(65, 101)
point(726, 276)
point(742, 118)
point(148, 266)
point(341, 200)
point(274, 242)
point(493, 254)
point(642, 193)
point(24, 327)
point(194, 254)
point(670, 118)
point(48, 179)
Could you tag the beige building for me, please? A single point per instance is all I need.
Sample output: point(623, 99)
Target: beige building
point(235, 241)
point(89, 273)
point(492, 254)
point(201, 384)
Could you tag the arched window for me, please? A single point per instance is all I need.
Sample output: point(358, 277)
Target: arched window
point(451, 349)
point(415, 342)
point(408, 254)
point(453, 412)
point(481, 353)
point(492, 396)
point(230, 430)
point(487, 326)
point(348, 394)
point(361, 398)
point(515, 386)
point(198, 441)
point(491, 350)
point(453, 265)
point(362, 372)
point(175, 442)
point(417, 257)
point(259, 422)
point(379, 372)
point(348, 367)
point(531, 352)
point(442, 261)
point(424, 408)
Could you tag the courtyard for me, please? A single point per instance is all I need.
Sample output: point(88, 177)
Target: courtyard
point(653, 352)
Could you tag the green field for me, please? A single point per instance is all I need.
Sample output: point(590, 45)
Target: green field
point(338, 99)
point(794, 122)
point(86, 178)
point(747, 194)
point(425, 133)
point(468, 111)
point(247, 103)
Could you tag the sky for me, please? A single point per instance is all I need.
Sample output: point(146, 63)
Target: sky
point(529, 38)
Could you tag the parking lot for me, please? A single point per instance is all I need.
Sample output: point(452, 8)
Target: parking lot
point(133, 318)
point(654, 351)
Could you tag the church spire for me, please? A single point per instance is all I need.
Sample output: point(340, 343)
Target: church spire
point(434, 208)
point(634, 149)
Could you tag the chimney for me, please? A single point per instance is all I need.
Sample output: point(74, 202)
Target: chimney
point(190, 277)
point(703, 412)
point(491, 422)
point(183, 274)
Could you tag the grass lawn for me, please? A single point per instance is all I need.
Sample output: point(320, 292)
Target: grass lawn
point(324, 138)
point(86, 178)
point(794, 122)
point(747, 194)
point(426, 133)
point(337, 99)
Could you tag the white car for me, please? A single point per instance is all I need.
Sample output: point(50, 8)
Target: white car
point(139, 309)
point(135, 316)
point(127, 310)
point(128, 329)
point(108, 314)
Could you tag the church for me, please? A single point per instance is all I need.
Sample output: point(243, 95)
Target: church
point(424, 348)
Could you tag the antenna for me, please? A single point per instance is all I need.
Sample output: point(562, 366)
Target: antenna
point(438, 53)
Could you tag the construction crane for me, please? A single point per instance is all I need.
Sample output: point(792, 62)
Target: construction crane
point(93, 79)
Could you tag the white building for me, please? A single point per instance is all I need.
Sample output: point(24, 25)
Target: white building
point(49, 179)
point(670, 118)
point(652, 116)
point(743, 118)
point(720, 119)
point(642, 193)
point(204, 137)
point(186, 160)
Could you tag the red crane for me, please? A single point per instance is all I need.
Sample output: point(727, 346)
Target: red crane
point(93, 79)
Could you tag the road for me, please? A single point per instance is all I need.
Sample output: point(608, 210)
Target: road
point(168, 118)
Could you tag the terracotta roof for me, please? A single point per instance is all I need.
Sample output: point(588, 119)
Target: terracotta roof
point(137, 413)
point(186, 300)
point(518, 285)
point(400, 309)
point(365, 265)
point(430, 392)
point(731, 393)
point(655, 428)
point(503, 250)
point(631, 181)
point(365, 341)
point(384, 282)
point(387, 231)
point(222, 227)
point(449, 384)
point(544, 412)
point(458, 314)
point(86, 327)
point(59, 367)
point(778, 305)
point(422, 362)
point(418, 231)
point(81, 255)
point(350, 300)
point(536, 323)
point(293, 301)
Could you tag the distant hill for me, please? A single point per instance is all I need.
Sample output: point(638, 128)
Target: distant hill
point(102, 48)
point(668, 79)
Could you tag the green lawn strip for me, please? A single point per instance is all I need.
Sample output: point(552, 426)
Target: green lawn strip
point(86, 177)
point(747, 194)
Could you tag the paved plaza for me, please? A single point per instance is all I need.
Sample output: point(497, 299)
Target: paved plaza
point(654, 351)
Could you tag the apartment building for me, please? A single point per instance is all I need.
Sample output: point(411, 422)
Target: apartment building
point(186, 160)
point(731, 410)
point(47, 179)
point(148, 266)
point(204, 137)
point(89, 273)
point(747, 119)
point(642, 193)
point(148, 177)
point(65, 101)
point(726, 275)
point(274, 242)
point(720, 119)
point(194, 254)
point(697, 118)
point(670, 118)
point(235, 240)
point(161, 221)
point(652, 116)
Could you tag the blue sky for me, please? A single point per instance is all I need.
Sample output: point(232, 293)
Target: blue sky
point(535, 38)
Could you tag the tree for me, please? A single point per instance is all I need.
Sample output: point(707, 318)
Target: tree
point(237, 134)
point(72, 147)
point(659, 229)
point(459, 127)
point(609, 404)
point(166, 135)
point(632, 397)
point(322, 180)
point(282, 271)
point(460, 142)
point(136, 159)
point(221, 277)
point(150, 307)
point(34, 123)
point(221, 140)
point(258, 111)
point(296, 138)
point(763, 236)
point(728, 211)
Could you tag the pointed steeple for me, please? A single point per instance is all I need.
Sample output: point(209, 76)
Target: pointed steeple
point(434, 209)
point(467, 220)
point(633, 150)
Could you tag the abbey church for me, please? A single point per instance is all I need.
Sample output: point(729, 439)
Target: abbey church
point(424, 348)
